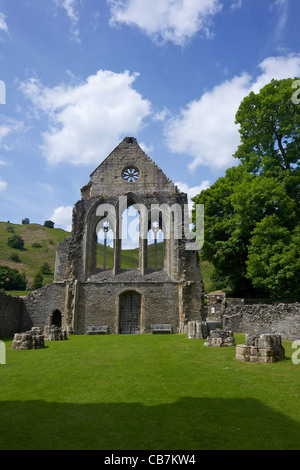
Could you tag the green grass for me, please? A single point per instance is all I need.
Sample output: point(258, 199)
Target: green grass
point(146, 392)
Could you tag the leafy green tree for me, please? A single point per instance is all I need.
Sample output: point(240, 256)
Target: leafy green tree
point(37, 281)
point(45, 268)
point(270, 129)
point(274, 258)
point(16, 241)
point(49, 224)
point(25, 221)
point(11, 279)
point(260, 195)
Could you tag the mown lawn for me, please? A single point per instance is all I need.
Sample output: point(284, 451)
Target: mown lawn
point(146, 392)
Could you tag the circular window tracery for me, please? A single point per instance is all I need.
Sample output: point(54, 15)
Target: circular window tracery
point(130, 174)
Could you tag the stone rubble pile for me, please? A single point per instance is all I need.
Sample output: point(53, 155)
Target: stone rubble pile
point(220, 338)
point(266, 348)
point(29, 340)
point(36, 337)
point(54, 333)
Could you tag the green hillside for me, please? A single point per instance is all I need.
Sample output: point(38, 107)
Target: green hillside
point(41, 244)
point(39, 248)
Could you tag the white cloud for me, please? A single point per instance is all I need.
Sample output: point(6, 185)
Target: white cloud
point(9, 127)
point(3, 184)
point(192, 191)
point(236, 4)
point(70, 8)
point(62, 217)
point(3, 24)
point(166, 20)
point(88, 119)
point(205, 129)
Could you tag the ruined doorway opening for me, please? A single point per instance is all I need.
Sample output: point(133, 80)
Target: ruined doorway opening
point(56, 318)
point(130, 313)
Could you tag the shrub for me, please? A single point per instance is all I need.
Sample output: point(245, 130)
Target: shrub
point(45, 269)
point(37, 281)
point(36, 245)
point(15, 257)
point(16, 241)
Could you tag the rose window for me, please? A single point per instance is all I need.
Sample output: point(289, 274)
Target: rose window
point(131, 174)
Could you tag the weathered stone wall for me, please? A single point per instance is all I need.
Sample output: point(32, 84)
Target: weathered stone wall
point(10, 314)
point(256, 319)
point(99, 305)
point(40, 304)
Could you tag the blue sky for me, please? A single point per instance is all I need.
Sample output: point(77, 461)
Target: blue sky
point(80, 75)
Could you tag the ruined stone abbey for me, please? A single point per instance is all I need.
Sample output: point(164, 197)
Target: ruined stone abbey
point(86, 296)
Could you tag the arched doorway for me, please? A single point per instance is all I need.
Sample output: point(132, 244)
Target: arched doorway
point(130, 313)
point(56, 318)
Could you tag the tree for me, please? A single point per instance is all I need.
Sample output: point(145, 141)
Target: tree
point(16, 241)
point(274, 258)
point(270, 129)
point(45, 268)
point(49, 224)
point(25, 221)
point(37, 281)
point(257, 198)
point(11, 279)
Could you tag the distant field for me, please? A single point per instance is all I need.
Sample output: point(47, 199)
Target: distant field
point(146, 392)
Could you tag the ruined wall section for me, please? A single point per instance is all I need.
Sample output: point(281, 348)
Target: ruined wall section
point(273, 318)
point(101, 301)
point(40, 304)
point(10, 314)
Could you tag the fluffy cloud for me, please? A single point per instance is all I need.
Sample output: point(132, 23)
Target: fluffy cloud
point(205, 129)
point(62, 217)
point(3, 24)
point(3, 184)
point(88, 119)
point(69, 7)
point(166, 20)
point(192, 191)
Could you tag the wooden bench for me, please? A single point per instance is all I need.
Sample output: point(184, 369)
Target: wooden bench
point(161, 328)
point(97, 330)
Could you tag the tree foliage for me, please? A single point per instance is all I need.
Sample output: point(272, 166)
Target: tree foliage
point(11, 279)
point(16, 241)
point(37, 281)
point(252, 213)
point(49, 224)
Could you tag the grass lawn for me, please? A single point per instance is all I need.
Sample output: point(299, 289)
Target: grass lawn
point(146, 392)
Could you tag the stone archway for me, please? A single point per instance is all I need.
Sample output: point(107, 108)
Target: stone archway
point(56, 318)
point(130, 313)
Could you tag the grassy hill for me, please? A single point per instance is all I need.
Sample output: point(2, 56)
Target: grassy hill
point(40, 247)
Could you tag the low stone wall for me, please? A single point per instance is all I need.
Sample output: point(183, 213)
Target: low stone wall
point(10, 314)
point(257, 319)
